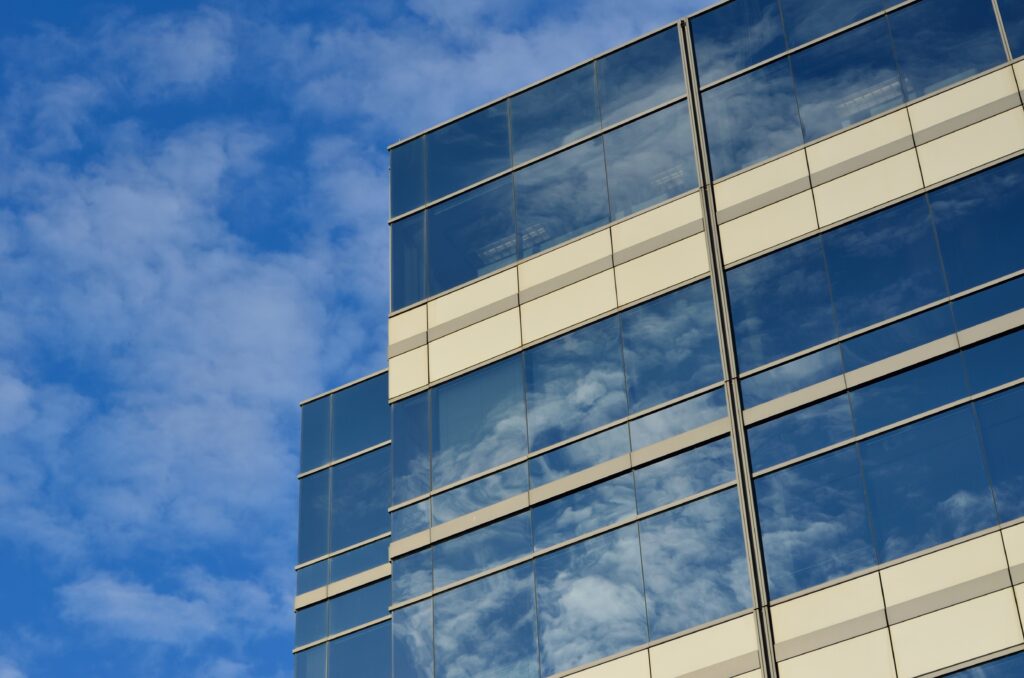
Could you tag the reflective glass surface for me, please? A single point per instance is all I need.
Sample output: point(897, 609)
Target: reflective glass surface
point(315, 446)
point(792, 376)
point(366, 653)
point(1001, 418)
point(314, 500)
point(990, 303)
point(898, 337)
point(311, 577)
point(310, 624)
point(684, 474)
point(1007, 667)
point(360, 606)
point(358, 560)
point(809, 19)
point(479, 493)
point(805, 430)
point(468, 150)
point(411, 575)
point(311, 663)
point(408, 182)
point(579, 455)
point(677, 419)
point(410, 519)
point(641, 76)
point(410, 452)
point(908, 393)
point(1012, 12)
point(412, 631)
point(361, 416)
point(995, 362)
point(408, 261)
point(360, 498)
point(554, 113)
point(584, 511)
point(736, 35)
point(483, 548)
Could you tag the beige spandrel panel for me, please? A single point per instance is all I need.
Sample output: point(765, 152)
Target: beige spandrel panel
point(1013, 540)
point(635, 665)
point(859, 147)
point(868, 187)
point(728, 649)
point(1019, 594)
point(407, 330)
point(956, 634)
point(474, 344)
point(568, 306)
point(757, 673)
point(661, 269)
point(407, 372)
point(472, 303)
point(1018, 70)
point(657, 228)
point(768, 226)
point(964, 105)
point(860, 657)
point(565, 265)
point(973, 146)
point(761, 186)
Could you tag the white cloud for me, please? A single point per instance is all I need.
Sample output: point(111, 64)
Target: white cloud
point(9, 670)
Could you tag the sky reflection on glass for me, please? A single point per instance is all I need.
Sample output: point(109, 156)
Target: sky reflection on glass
point(583, 511)
point(554, 113)
point(481, 549)
point(683, 474)
point(641, 76)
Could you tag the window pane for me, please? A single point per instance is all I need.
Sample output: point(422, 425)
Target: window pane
point(677, 419)
point(1002, 429)
point(478, 421)
point(488, 628)
point(470, 235)
point(467, 151)
point(366, 654)
point(684, 474)
point(650, 160)
point(792, 376)
point(670, 346)
point(483, 548)
point(411, 519)
point(360, 606)
point(736, 35)
point(314, 494)
point(1012, 12)
point(695, 564)
point(996, 362)
point(846, 79)
point(780, 304)
point(751, 118)
point(579, 455)
point(809, 19)
point(814, 522)
point(410, 451)
point(806, 430)
point(908, 393)
point(315, 448)
point(310, 624)
point(361, 416)
point(1007, 667)
point(575, 383)
point(940, 42)
point(411, 575)
point(480, 493)
point(574, 630)
point(561, 197)
point(898, 337)
point(988, 304)
point(408, 184)
point(926, 484)
point(640, 76)
point(554, 114)
point(359, 560)
point(408, 261)
point(584, 511)
point(311, 663)
point(412, 631)
point(359, 499)
point(311, 577)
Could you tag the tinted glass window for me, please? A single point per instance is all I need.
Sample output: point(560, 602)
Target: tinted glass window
point(1002, 428)
point(736, 35)
point(809, 19)
point(1007, 667)
point(1012, 12)
point(677, 419)
point(408, 261)
point(939, 42)
point(580, 455)
point(478, 421)
point(361, 416)
point(360, 606)
point(575, 383)
point(482, 549)
point(806, 430)
point(470, 235)
point(561, 197)
point(310, 624)
point(794, 375)
point(898, 337)
point(684, 474)
point(408, 183)
point(411, 575)
point(410, 519)
point(584, 511)
point(554, 114)
point(480, 493)
point(650, 160)
point(467, 151)
point(640, 76)
point(359, 499)
point(311, 663)
point(751, 118)
point(412, 631)
point(366, 654)
point(573, 630)
point(358, 560)
point(311, 577)
point(995, 362)
point(409, 448)
point(990, 303)
point(314, 493)
point(908, 393)
point(315, 448)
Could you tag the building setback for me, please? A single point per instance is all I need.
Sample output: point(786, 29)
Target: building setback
point(706, 360)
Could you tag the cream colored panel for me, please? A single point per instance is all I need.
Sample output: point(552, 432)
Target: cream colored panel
point(752, 674)
point(964, 105)
point(360, 579)
point(568, 306)
point(768, 226)
point(1019, 593)
point(867, 655)
point(310, 597)
point(474, 344)
point(407, 372)
point(727, 649)
point(860, 147)
point(631, 666)
point(663, 268)
point(956, 634)
point(658, 227)
point(1013, 539)
point(565, 265)
point(1018, 69)
point(761, 186)
point(407, 331)
point(972, 146)
point(472, 303)
point(946, 577)
point(868, 187)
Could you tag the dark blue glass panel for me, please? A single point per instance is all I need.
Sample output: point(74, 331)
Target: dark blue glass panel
point(806, 20)
point(695, 564)
point(814, 522)
point(677, 419)
point(684, 474)
point(360, 606)
point(411, 575)
point(1012, 12)
point(411, 519)
point(358, 560)
point(908, 393)
point(467, 151)
point(314, 507)
point(640, 76)
point(312, 577)
point(650, 160)
point(412, 641)
point(940, 42)
point(470, 235)
point(806, 430)
point(926, 484)
point(579, 455)
point(780, 304)
point(315, 448)
point(736, 35)
point(361, 416)
point(488, 628)
point(311, 663)
point(408, 181)
point(995, 362)
point(1007, 667)
point(310, 624)
point(561, 197)
point(1002, 431)
point(848, 78)
point(408, 261)
point(359, 499)
point(584, 511)
point(482, 549)
point(575, 383)
point(478, 421)
point(554, 113)
point(792, 376)
point(883, 265)
point(901, 336)
point(751, 118)
point(989, 304)
point(366, 654)
point(480, 493)
point(410, 448)
point(670, 346)
point(978, 221)
point(573, 629)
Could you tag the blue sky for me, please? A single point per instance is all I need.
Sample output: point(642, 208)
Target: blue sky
point(193, 206)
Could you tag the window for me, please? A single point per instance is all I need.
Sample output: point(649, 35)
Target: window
point(360, 606)
point(482, 549)
point(1012, 12)
point(641, 76)
point(315, 448)
point(908, 393)
point(408, 261)
point(995, 362)
point(412, 575)
point(736, 35)
point(366, 653)
point(579, 455)
point(410, 464)
point(311, 663)
point(990, 303)
point(361, 416)
point(359, 560)
point(1007, 667)
point(677, 419)
point(554, 113)
point(583, 511)
point(360, 498)
point(408, 184)
point(1001, 418)
point(412, 631)
point(479, 493)
point(809, 19)
point(797, 433)
point(314, 500)
point(467, 150)
point(684, 474)
point(311, 577)
point(791, 376)
point(410, 519)
point(898, 337)
point(310, 624)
